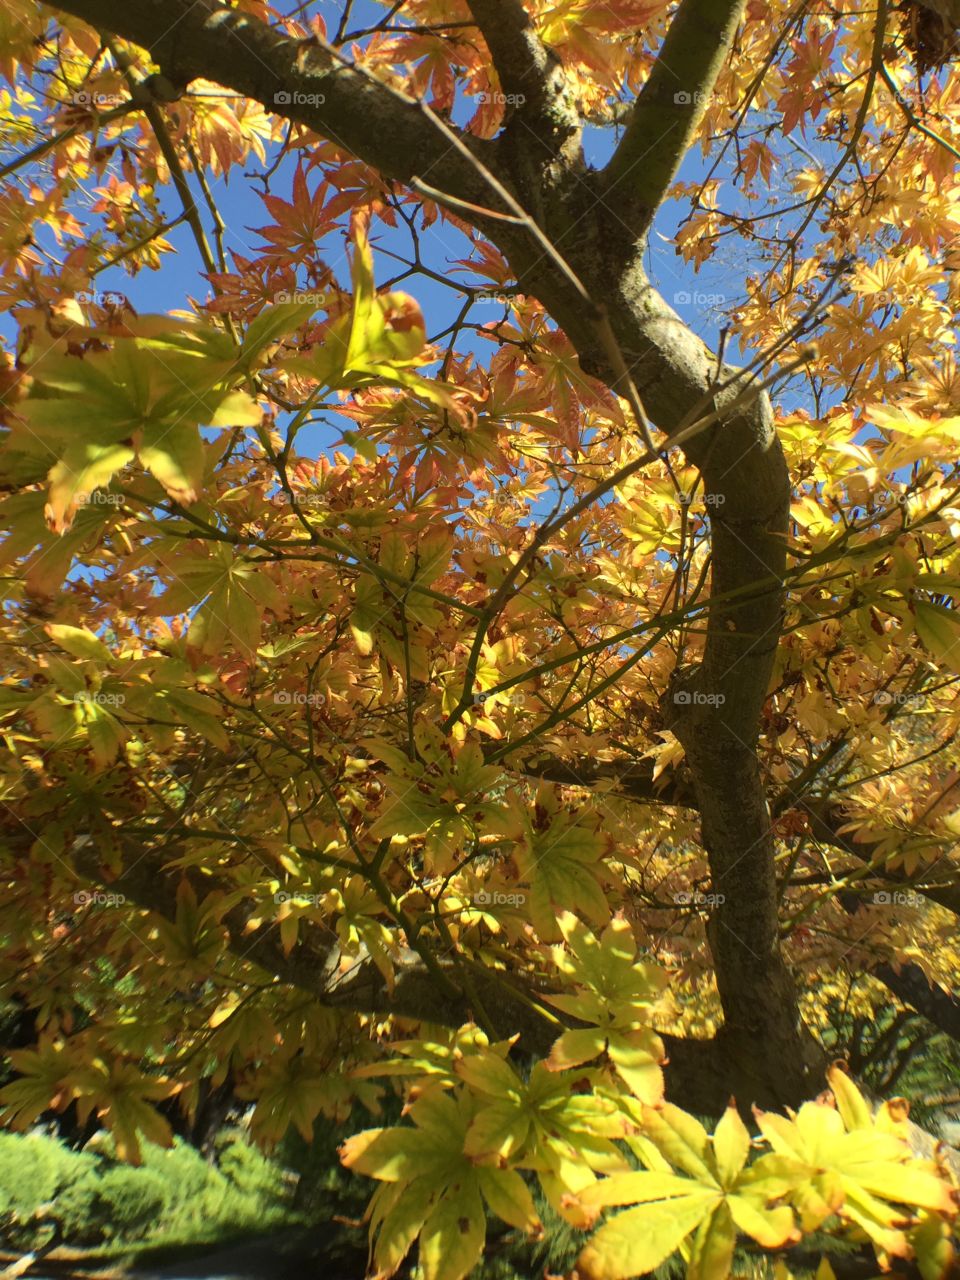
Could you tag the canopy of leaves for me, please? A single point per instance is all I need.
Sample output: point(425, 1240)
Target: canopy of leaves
point(348, 614)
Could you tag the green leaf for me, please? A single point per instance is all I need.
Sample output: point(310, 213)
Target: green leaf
point(713, 1245)
point(939, 629)
point(853, 1107)
point(451, 1242)
point(41, 1085)
point(634, 1242)
point(639, 1057)
point(641, 1186)
point(561, 866)
point(391, 1155)
point(174, 456)
point(509, 1197)
point(398, 1211)
point(576, 1046)
point(148, 396)
point(933, 1248)
point(228, 618)
point(105, 732)
point(85, 467)
point(78, 641)
point(682, 1139)
point(273, 322)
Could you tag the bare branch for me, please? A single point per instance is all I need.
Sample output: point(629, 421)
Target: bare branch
point(530, 74)
point(666, 114)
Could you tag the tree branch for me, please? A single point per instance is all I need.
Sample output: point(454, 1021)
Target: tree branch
point(911, 985)
point(302, 80)
point(541, 113)
point(669, 108)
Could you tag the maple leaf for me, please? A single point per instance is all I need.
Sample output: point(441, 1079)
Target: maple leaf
point(434, 1190)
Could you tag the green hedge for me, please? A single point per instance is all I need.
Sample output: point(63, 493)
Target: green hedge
point(175, 1196)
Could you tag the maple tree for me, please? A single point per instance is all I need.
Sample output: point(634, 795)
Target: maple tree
point(546, 700)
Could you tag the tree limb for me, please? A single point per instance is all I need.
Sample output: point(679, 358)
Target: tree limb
point(668, 110)
point(541, 115)
point(302, 80)
point(910, 984)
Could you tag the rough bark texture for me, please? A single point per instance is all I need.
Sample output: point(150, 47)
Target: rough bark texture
point(596, 221)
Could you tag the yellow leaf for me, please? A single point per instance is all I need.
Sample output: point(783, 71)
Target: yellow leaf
point(78, 641)
point(939, 629)
point(731, 1146)
point(634, 1242)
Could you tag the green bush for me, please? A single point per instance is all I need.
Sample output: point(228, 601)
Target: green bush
point(117, 1203)
point(249, 1170)
point(78, 1208)
point(33, 1169)
point(130, 1199)
point(175, 1196)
